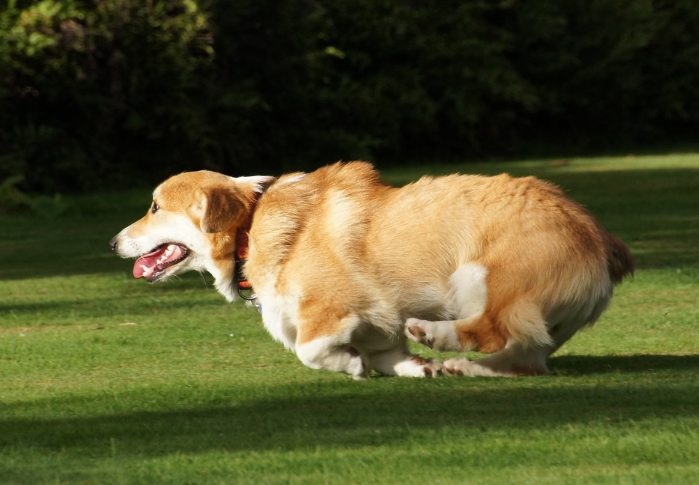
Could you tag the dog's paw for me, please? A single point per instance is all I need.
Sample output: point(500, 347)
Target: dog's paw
point(439, 336)
point(418, 331)
point(461, 366)
point(431, 367)
point(414, 366)
point(458, 366)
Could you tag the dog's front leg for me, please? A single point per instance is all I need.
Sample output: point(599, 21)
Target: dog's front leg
point(398, 361)
point(331, 351)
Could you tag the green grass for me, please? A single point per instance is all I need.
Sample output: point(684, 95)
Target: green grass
point(104, 379)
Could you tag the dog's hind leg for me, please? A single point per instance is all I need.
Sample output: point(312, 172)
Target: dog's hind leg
point(487, 332)
point(468, 294)
point(525, 353)
point(516, 359)
point(326, 343)
point(511, 358)
point(332, 352)
point(517, 336)
point(442, 336)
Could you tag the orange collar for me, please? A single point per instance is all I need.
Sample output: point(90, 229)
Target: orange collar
point(241, 255)
point(241, 252)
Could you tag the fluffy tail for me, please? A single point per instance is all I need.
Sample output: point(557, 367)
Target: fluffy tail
point(619, 260)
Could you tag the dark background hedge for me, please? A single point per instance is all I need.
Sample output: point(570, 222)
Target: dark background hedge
point(115, 93)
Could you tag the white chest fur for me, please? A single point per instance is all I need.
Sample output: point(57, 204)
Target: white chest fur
point(278, 316)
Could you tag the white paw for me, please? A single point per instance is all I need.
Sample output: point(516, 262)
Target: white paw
point(461, 366)
point(418, 331)
point(440, 336)
point(419, 367)
point(432, 368)
point(458, 366)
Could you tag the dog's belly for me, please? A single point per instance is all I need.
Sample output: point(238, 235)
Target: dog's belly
point(383, 311)
point(381, 323)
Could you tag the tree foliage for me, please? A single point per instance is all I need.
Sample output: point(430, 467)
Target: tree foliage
point(99, 93)
point(99, 89)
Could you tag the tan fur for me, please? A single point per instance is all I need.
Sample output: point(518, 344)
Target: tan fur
point(340, 261)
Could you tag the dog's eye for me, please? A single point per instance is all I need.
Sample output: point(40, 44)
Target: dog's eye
point(154, 208)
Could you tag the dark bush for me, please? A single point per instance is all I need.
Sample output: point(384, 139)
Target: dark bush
point(120, 92)
point(99, 92)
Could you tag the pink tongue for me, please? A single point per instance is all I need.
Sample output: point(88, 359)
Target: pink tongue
point(148, 263)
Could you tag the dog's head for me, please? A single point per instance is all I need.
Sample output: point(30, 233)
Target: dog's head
point(191, 225)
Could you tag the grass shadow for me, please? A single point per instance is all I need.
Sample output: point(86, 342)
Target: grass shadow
point(340, 413)
point(581, 365)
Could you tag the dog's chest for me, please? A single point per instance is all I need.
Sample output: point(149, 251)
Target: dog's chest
point(278, 316)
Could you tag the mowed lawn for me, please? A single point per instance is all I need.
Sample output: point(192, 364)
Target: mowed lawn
point(109, 380)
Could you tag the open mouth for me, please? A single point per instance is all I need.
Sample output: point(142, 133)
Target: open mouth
point(152, 266)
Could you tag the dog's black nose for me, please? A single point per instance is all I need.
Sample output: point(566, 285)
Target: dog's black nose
point(113, 243)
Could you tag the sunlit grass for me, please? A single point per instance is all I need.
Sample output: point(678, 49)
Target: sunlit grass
point(104, 379)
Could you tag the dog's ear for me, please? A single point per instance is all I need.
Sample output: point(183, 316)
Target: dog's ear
point(216, 208)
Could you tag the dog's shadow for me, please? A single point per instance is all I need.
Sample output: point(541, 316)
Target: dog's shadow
point(581, 365)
